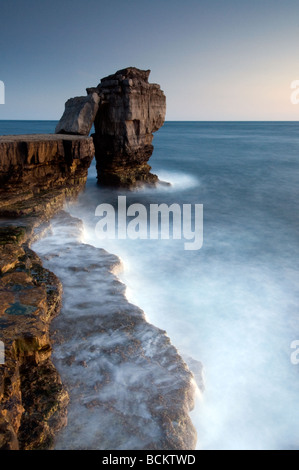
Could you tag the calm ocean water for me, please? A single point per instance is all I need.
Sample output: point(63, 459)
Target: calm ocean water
point(233, 304)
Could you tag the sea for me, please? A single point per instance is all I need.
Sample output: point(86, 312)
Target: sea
point(231, 304)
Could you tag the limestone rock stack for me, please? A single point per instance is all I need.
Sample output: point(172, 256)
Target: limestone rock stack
point(130, 110)
point(126, 109)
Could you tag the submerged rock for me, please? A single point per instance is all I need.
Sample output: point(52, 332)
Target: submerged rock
point(131, 109)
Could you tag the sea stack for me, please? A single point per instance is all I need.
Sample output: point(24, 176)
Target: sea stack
point(125, 109)
point(130, 110)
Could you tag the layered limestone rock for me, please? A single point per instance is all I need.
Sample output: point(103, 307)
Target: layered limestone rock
point(43, 161)
point(33, 400)
point(126, 109)
point(79, 115)
point(38, 171)
point(130, 110)
point(37, 174)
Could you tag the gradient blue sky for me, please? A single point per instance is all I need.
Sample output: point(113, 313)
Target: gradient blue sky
point(214, 59)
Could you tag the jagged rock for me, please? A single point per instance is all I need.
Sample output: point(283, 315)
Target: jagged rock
point(131, 109)
point(33, 401)
point(79, 115)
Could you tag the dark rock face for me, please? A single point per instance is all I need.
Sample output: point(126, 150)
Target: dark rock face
point(130, 110)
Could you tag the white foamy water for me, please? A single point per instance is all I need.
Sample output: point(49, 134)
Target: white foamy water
point(128, 387)
point(230, 320)
point(233, 304)
point(178, 182)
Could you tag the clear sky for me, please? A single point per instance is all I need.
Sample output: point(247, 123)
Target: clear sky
point(214, 59)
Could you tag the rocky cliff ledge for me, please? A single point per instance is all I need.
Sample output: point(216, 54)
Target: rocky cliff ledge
point(35, 164)
point(37, 174)
point(126, 109)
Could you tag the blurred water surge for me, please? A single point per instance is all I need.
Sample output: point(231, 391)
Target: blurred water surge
point(233, 304)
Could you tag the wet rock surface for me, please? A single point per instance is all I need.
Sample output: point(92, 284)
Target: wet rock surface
point(128, 386)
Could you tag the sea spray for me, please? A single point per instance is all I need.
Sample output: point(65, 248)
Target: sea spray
point(128, 386)
point(233, 303)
